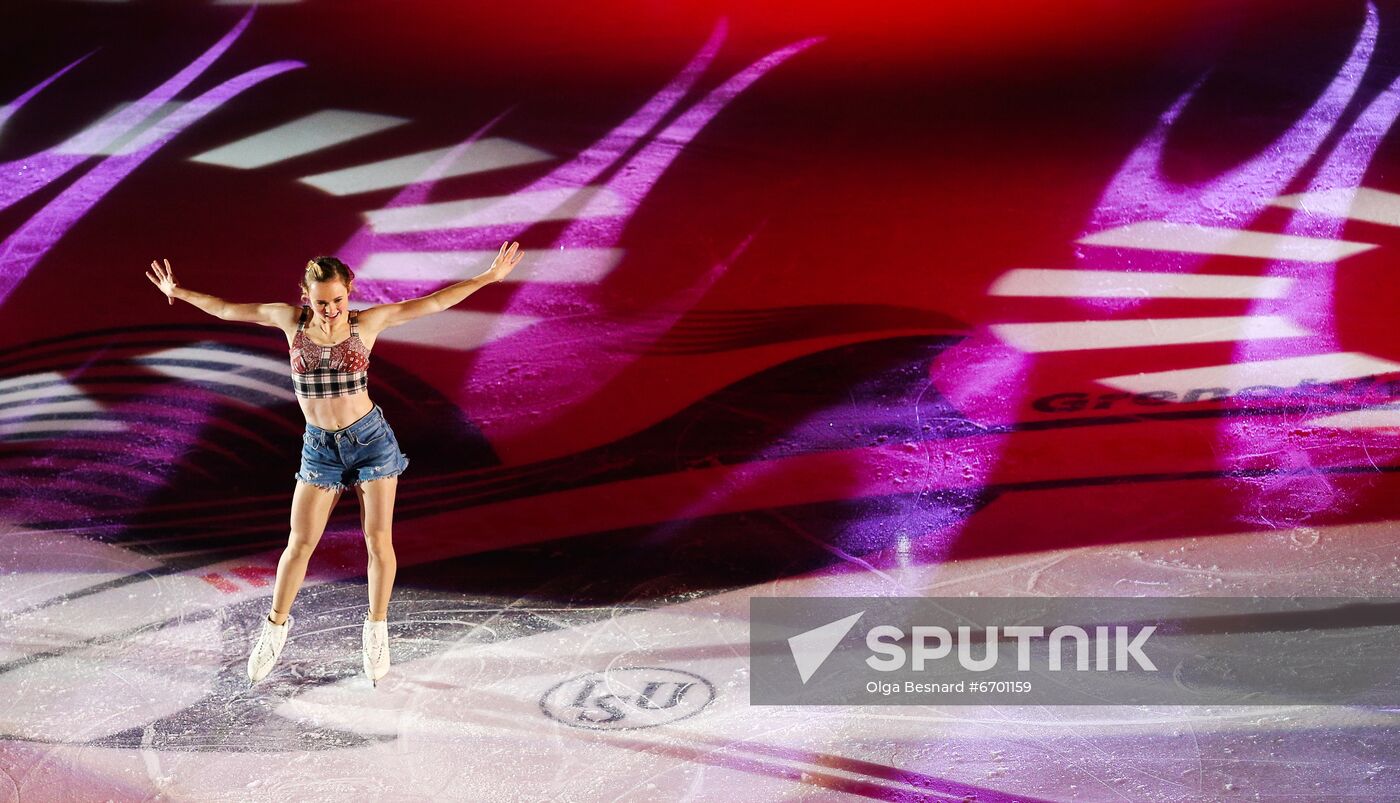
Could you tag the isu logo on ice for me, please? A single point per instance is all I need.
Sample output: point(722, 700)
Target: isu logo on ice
point(629, 698)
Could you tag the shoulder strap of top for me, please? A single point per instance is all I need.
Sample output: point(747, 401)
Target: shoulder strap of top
point(354, 323)
point(301, 319)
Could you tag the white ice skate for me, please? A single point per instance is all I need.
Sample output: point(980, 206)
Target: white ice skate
point(269, 646)
point(376, 649)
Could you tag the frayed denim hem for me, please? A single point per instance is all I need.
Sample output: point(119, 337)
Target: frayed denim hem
point(325, 486)
point(396, 472)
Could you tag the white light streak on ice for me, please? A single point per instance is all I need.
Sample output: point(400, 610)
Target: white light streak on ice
point(29, 410)
point(1382, 418)
point(57, 428)
point(312, 133)
point(478, 157)
point(1191, 239)
point(1371, 206)
point(458, 330)
point(21, 421)
point(46, 385)
point(564, 203)
point(1279, 373)
point(125, 142)
point(164, 362)
point(1039, 282)
point(1080, 335)
point(581, 265)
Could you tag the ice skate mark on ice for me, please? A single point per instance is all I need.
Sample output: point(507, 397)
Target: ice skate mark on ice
point(38, 579)
point(837, 552)
point(1387, 418)
point(837, 774)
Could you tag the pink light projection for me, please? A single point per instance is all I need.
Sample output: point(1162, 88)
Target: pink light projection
point(1139, 191)
point(566, 384)
point(984, 374)
point(573, 175)
point(1311, 304)
point(576, 322)
point(1297, 490)
point(366, 241)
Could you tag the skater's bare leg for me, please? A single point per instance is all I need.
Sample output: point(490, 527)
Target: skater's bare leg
point(377, 520)
point(311, 509)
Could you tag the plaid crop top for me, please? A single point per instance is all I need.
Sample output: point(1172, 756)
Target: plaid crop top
point(322, 372)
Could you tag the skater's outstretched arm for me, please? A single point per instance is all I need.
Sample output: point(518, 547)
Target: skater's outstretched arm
point(283, 316)
point(383, 316)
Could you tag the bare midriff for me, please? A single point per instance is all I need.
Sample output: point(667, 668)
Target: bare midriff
point(336, 412)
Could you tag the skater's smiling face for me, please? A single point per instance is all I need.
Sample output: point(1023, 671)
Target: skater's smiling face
point(329, 300)
point(326, 286)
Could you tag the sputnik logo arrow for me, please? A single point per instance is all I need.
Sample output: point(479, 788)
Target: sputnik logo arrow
point(811, 649)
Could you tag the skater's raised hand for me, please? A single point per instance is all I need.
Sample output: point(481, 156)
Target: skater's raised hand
point(164, 280)
point(506, 259)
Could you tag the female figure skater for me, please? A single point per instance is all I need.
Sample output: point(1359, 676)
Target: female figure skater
point(347, 441)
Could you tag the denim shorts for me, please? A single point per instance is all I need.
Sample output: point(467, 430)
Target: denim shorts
point(366, 450)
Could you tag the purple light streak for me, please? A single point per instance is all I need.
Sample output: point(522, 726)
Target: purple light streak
point(579, 367)
point(1292, 498)
point(580, 320)
point(1140, 192)
point(28, 244)
point(23, 177)
point(8, 110)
